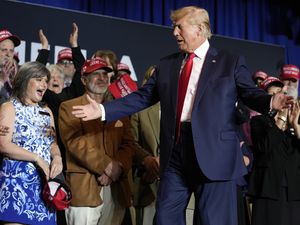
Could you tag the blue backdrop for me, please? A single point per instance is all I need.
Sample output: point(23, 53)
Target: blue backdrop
point(269, 21)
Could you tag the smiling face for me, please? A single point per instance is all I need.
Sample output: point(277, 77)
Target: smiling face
point(30, 83)
point(35, 90)
point(97, 82)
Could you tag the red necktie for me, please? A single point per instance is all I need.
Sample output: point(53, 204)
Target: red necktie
point(182, 87)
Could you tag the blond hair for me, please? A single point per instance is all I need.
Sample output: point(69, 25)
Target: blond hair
point(195, 15)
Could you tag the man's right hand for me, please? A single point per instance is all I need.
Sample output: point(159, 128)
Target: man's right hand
point(87, 112)
point(113, 170)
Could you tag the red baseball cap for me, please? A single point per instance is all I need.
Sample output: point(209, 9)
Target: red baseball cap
point(57, 194)
point(65, 53)
point(122, 86)
point(259, 74)
point(5, 34)
point(123, 67)
point(94, 64)
point(289, 71)
point(265, 84)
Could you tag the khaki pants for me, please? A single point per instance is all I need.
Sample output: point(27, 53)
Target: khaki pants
point(109, 213)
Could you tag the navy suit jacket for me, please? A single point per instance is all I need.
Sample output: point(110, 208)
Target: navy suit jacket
point(223, 80)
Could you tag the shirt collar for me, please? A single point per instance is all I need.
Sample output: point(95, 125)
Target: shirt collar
point(201, 51)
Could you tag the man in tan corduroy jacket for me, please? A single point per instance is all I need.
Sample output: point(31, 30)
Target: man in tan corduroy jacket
point(98, 155)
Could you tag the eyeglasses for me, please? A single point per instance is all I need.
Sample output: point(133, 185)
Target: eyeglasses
point(65, 62)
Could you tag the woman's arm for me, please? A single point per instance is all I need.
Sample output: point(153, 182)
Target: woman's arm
point(56, 162)
point(11, 150)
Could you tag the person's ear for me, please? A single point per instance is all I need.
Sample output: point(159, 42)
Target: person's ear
point(83, 80)
point(200, 30)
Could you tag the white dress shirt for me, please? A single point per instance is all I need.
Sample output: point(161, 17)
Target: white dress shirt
point(198, 61)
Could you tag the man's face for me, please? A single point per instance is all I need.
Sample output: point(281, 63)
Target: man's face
point(290, 83)
point(7, 49)
point(56, 82)
point(188, 35)
point(97, 82)
point(68, 67)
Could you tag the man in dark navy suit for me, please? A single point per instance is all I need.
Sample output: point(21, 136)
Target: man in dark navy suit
point(200, 150)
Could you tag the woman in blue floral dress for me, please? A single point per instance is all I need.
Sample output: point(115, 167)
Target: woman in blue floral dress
point(29, 144)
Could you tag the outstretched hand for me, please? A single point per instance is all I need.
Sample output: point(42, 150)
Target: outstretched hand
point(87, 112)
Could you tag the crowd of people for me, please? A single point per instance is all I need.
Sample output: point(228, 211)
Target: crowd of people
point(199, 125)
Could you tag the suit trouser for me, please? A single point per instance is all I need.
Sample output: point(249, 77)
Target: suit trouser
point(215, 200)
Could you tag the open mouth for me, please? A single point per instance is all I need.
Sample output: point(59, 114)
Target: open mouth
point(40, 92)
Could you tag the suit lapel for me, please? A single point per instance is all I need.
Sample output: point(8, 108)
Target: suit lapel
point(207, 72)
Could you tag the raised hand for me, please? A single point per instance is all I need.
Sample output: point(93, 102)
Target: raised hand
point(43, 39)
point(281, 101)
point(294, 114)
point(9, 70)
point(74, 36)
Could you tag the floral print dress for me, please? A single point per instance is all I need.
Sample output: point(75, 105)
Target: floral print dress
point(20, 181)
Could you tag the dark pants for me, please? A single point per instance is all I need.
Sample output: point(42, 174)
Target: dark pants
point(215, 200)
point(276, 212)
